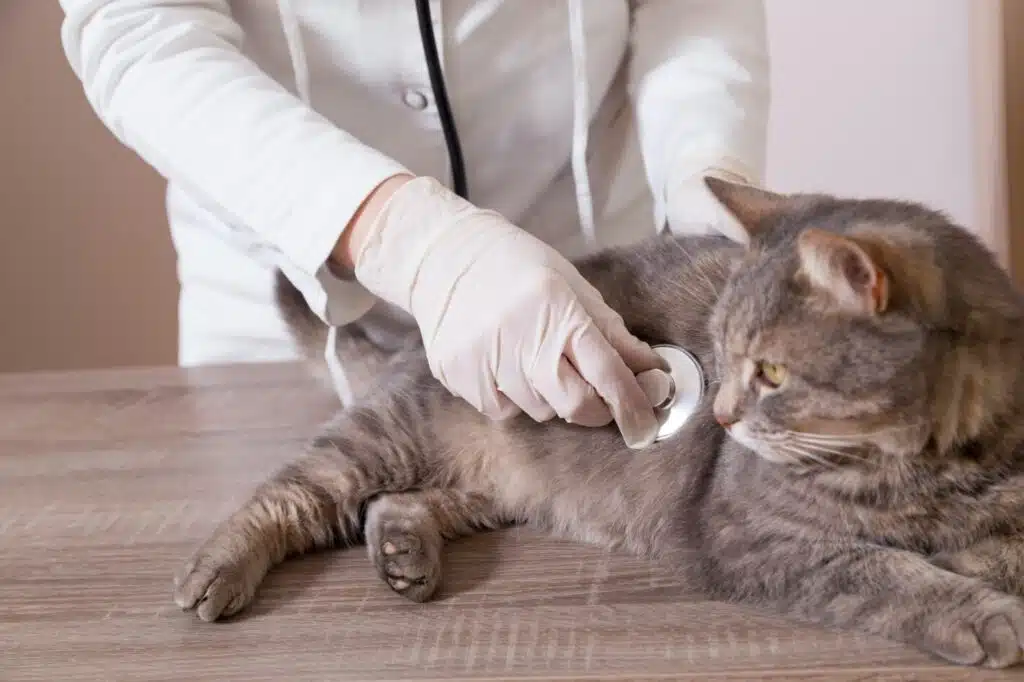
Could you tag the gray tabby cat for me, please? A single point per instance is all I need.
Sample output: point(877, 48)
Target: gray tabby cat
point(858, 461)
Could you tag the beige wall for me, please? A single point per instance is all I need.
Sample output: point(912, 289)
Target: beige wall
point(899, 98)
point(86, 267)
point(871, 97)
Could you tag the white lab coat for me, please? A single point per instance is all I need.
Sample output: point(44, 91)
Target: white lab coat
point(273, 121)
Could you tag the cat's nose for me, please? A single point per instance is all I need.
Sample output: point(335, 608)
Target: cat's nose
point(725, 420)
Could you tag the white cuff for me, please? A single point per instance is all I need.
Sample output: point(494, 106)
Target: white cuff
point(690, 208)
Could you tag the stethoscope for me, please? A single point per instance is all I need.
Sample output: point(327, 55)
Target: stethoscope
point(674, 393)
point(444, 109)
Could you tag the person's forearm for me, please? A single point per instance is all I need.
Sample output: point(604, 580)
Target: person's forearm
point(171, 82)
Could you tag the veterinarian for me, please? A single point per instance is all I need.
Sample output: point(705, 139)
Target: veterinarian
point(306, 135)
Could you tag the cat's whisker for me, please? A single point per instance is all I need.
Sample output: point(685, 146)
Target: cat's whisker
point(793, 446)
point(818, 447)
point(849, 438)
point(836, 449)
point(793, 449)
point(803, 440)
point(793, 457)
point(851, 456)
point(825, 444)
point(842, 454)
point(828, 439)
point(891, 427)
point(805, 455)
point(821, 436)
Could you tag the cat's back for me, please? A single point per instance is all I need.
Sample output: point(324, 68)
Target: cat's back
point(666, 287)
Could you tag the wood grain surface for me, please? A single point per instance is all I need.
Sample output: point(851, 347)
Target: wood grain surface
point(107, 481)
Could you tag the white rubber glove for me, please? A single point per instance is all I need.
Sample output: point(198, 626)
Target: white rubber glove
point(507, 322)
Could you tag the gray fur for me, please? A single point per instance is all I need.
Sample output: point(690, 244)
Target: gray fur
point(879, 490)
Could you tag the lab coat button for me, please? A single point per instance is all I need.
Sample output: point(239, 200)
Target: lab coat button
point(414, 99)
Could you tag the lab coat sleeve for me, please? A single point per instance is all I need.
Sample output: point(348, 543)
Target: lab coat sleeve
point(699, 82)
point(167, 77)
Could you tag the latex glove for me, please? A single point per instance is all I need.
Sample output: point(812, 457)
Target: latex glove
point(507, 322)
point(691, 209)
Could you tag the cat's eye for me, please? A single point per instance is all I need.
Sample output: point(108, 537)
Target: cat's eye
point(771, 374)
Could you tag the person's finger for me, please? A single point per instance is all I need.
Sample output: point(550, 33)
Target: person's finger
point(572, 398)
point(637, 355)
point(477, 387)
point(517, 388)
point(553, 376)
point(500, 407)
point(599, 365)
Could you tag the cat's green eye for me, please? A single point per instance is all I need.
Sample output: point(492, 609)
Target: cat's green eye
point(771, 374)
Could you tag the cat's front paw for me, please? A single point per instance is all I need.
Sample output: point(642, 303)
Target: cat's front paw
point(987, 631)
point(220, 579)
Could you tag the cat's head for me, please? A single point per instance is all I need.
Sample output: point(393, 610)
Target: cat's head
point(859, 331)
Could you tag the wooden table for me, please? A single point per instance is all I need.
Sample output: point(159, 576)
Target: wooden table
point(107, 480)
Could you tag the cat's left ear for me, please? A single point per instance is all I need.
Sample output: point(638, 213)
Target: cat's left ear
point(754, 208)
point(845, 270)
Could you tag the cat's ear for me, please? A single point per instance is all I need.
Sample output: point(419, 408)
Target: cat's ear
point(752, 206)
point(845, 270)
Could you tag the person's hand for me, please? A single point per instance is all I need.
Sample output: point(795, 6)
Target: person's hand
point(507, 322)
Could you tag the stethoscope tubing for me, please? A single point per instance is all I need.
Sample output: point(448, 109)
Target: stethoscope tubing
point(444, 110)
point(672, 416)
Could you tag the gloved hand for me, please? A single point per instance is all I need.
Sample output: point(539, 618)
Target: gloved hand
point(507, 322)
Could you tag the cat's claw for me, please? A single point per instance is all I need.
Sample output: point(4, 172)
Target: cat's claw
point(216, 584)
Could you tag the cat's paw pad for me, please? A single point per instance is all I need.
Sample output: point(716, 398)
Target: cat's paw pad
point(989, 634)
point(408, 562)
point(216, 583)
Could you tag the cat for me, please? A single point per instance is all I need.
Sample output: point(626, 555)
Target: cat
point(857, 462)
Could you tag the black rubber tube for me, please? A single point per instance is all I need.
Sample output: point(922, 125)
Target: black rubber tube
point(444, 110)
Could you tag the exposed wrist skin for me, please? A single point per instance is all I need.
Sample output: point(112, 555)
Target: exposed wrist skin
point(343, 254)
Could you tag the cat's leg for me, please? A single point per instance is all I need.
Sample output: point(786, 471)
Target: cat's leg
point(405, 533)
point(888, 592)
point(315, 503)
point(997, 560)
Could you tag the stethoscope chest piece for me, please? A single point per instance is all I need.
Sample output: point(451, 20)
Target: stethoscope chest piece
point(676, 393)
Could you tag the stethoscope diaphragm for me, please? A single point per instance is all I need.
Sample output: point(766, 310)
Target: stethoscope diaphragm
point(675, 393)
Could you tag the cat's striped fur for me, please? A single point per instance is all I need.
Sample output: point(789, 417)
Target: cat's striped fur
point(888, 496)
